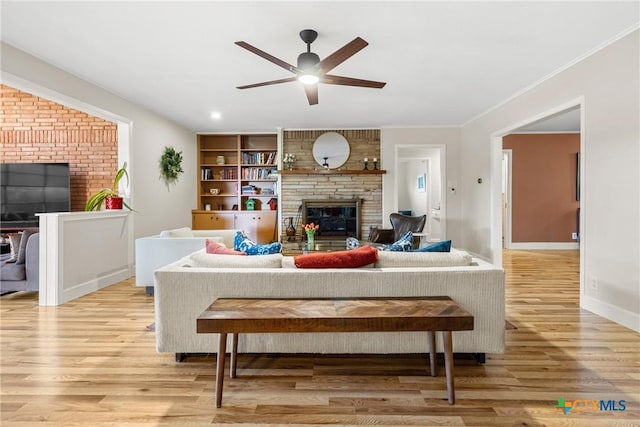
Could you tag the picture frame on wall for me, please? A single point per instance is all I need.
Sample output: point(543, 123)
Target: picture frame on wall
point(421, 183)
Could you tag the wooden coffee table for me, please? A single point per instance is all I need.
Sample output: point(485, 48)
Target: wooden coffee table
point(252, 315)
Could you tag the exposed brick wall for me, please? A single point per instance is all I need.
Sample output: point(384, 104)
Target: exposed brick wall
point(37, 130)
point(362, 143)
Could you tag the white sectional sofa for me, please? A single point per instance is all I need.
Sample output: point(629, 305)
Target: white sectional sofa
point(185, 288)
point(156, 251)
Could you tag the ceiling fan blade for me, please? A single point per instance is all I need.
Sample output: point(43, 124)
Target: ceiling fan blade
point(270, 58)
point(341, 55)
point(312, 93)
point(350, 81)
point(270, 82)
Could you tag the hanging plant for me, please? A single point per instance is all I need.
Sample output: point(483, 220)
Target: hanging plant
point(170, 165)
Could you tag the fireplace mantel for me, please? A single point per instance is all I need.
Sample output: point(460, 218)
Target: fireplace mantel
point(331, 172)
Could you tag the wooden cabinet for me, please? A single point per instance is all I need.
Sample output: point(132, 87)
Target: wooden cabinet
point(236, 171)
point(212, 220)
point(259, 226)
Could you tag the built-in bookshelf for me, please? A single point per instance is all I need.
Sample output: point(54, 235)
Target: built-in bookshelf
point(235, 172)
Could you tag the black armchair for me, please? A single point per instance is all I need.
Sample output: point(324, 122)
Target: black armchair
point(400, 225)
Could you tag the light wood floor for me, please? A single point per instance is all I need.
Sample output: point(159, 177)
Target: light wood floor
point(91, 362)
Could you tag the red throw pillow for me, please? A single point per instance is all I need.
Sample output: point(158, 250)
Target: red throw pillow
point(218, 249)
point(340, 259)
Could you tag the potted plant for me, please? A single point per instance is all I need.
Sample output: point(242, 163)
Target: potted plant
point(109, 196)
point(170, 165)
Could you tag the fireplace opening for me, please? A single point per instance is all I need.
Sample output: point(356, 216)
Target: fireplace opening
point(338, 219)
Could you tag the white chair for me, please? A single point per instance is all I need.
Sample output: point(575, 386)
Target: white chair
point(157, 251)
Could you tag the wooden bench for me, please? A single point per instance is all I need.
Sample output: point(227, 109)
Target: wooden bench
point(251, 315)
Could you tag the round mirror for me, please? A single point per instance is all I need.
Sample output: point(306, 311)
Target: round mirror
point(331, 150)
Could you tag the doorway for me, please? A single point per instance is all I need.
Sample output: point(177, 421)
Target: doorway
point(540, 194)
point(419, 180)
point(565, 118)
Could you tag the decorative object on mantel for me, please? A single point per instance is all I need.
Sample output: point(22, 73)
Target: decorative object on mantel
point(170, 165)
point(109, 196)
point(332, 172)
point(366, 164)
point(311, 229)
point(375, 164)
point(331, 150)
point(288, 160)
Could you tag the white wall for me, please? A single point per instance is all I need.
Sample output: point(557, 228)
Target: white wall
point(404, 196)
point(408, 196)
point(398, 139)
point(156, 207)
point(607, 82)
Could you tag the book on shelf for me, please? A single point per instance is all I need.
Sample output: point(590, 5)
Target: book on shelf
point(229, 173)
point(259, 158)
point(206, 173)
point(256, 173)
point(250, 190)
point(224, 173)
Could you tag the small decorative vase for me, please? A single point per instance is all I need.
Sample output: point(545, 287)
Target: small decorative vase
point(290, 230)
point(310, 241)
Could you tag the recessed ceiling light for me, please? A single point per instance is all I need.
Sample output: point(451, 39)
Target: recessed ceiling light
point(216, 115)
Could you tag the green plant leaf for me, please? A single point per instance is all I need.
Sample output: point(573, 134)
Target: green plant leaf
point(96, 201)
point(170, 165)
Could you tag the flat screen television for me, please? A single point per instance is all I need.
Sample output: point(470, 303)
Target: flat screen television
point(30, 188)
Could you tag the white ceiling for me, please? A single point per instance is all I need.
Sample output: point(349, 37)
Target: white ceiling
point(444, 62)
point(566, 121)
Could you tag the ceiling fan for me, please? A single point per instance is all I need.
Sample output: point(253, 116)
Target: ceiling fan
point(311, 70)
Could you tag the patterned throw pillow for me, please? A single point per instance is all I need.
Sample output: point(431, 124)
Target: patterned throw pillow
point(243, 244)
point(14, 244)
point(21, 256)
point(443, 246)
point(217, 248)
point(353, 243)
point(404, 244)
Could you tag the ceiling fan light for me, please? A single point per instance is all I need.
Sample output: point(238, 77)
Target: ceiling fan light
point(308, 79)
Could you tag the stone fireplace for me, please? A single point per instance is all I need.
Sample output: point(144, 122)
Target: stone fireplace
point(312, 183)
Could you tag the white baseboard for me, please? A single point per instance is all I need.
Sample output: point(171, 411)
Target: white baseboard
point(81, 289)
point(621, 316)
point(540, 246)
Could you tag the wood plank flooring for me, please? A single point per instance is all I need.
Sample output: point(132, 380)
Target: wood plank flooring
point(91, 362)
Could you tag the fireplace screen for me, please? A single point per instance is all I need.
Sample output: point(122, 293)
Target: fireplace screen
point(337, 218)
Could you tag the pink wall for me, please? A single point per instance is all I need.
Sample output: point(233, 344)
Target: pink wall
point(544, 201)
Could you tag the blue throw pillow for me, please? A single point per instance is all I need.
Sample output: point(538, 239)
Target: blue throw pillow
point(243, 244)
point(404, 244)
point(352, 243)
point(443, 246)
